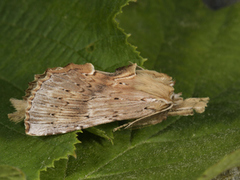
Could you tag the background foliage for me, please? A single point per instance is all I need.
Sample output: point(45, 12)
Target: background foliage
point(198, 47)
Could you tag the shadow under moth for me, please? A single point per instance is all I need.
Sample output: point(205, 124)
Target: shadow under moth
point(74, 97)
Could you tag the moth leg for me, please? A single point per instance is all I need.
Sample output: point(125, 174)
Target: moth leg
point(152, 119)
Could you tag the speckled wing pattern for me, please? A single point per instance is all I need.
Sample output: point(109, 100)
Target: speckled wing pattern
point(74, 98)
point(77, 97)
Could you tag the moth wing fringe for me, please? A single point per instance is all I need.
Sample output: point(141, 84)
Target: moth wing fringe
point(22, 105)
point(88, 68)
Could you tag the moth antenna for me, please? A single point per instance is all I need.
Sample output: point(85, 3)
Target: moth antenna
point(120, 127)
point(128, 125)
point(137, 65)
point(130, 62)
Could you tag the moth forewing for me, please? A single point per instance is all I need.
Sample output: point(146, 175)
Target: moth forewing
point(78, 97)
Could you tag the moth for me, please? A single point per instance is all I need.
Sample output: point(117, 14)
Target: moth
point(74, 97)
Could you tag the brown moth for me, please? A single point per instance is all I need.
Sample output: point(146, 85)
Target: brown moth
point(78, 97)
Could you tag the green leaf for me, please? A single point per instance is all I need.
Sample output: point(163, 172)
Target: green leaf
point(198, 47)
point(11, 173)
point(230, 161)
point(58, 172)
point(30, 154)
point(108, 135)
point(36, 35)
